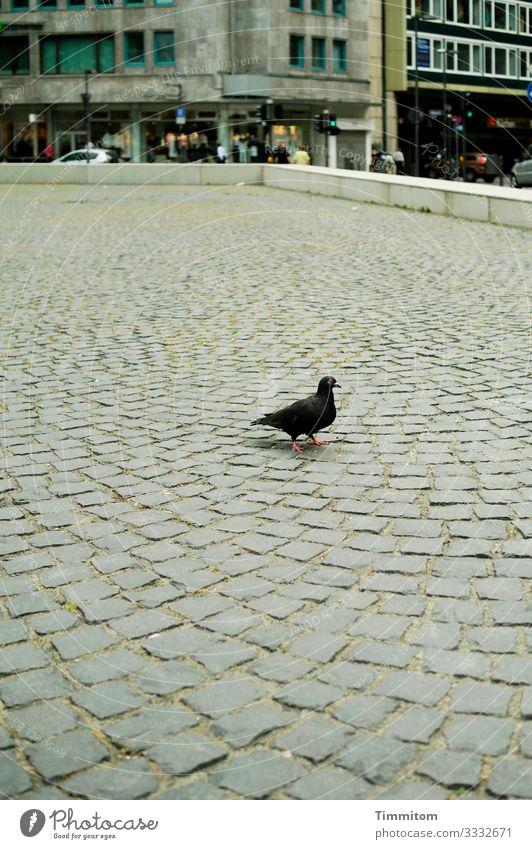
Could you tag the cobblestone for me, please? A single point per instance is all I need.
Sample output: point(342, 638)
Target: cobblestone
point(178, 592)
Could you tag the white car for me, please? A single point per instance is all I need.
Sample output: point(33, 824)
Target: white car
point(521, 174)
point(94, 156)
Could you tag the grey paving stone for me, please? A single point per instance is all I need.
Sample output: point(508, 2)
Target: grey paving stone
point(168, 677)
point(315, 738)
point(457, 663)
point(39, 721)
point(257, 774)
point(526, 703)
point(512, 778)
point(506, 589)
point(194, 791)
point(500, 640)
point(456, 610)
point(105, 609)
point(26, 687)
point(375, 758)
point(14, 779)
point(391, 583)
point(310, 695)
point(82, 641)
point(413, 687)
point(104, 667)
point(232, 622)
point(177, 642)
point(404, 605)
point(225, 695)
point(198, 608)
point(185, 753)
point(380, 626)
point(451, 769)
point(22, 657)
point(354, 676)
point(66, 753)
point(409, 790)
point(131, 779)
point(224, 654)
point(278, 666)
point(150, 726)
point(513, 670)
point(490, 699)
point(387, 654)
point(34, 602)
point(247, 725)
point(328, 782)
point(142, 624)
point(364, 711)
point(512, 613)
point(12, 632)
point(110, 699)
point(51, 623)
point(317, 646)
point(416, 724)
point(445, 636)
point(480, 734)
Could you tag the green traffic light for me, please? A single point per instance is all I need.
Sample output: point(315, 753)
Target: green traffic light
point(469, 114)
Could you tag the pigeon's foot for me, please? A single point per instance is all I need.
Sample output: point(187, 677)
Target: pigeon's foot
point(314, 441)
point(297, 448)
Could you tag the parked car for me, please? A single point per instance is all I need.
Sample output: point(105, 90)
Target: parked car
point(521, 173)
point(482, 165)
point(95, 156)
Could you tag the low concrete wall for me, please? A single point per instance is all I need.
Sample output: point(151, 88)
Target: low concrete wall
point(469, 201)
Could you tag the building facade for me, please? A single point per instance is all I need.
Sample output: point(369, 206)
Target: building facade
point(141, 60)
point(473, 67)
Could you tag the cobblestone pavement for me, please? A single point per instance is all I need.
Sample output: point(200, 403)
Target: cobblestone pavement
point(188, 610)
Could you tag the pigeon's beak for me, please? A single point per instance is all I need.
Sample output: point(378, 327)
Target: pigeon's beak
point(337, 386)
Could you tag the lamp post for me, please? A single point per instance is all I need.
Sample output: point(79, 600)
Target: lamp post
point(85, 97)
point(445, 52)
point(422, 16)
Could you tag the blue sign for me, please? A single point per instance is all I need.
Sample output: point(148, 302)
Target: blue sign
point(180, 112)
point(423, 53)
point(529, 92)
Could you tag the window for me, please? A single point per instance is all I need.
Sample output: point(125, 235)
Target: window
point(338, 7)
point(164, 48)
point(296, 5)
point(450, 13)
point(14, 54)
point(47, 4)
point(410, 52)
point(500, 62)
point(512, 63)
point(476, 64)
point(75, 54)
point(134, 48)
point(437, 47)
point(297, 51)
point(318, 7)
point(500, 15)
point(133, 2)
point(19, 5)
point(75, 4)
point(476, 16)
point(463, 57)
point(163, 2)
point(512, 18)
point(318, 54)
point(102, 4)
point(339, 57)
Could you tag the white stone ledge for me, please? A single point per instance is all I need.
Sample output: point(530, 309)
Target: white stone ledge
point(468, 201)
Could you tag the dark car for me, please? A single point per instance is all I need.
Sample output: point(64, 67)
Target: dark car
point(485, 165)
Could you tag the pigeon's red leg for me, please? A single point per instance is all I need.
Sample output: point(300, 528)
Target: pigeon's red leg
point(314, 441)
point(297, 448)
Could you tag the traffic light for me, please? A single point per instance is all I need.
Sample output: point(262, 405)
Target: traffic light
point(318, 124)
point(334, 129)
point(469, 113)
point(278, 112)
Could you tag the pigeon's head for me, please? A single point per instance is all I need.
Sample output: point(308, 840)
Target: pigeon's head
point(327, 384)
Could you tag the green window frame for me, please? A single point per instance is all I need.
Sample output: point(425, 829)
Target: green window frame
point(163, 2)
point(318, 54)
point(339, 56)
point(296, 5)
point(14, 55)
point(134, 48)
point(338, 8)
point(297, 51)
point(317, 7)
point(75, 54)
point(164, 47)
point(75, 4)
point(19, 5)
point(133, 2)
point(104, 4)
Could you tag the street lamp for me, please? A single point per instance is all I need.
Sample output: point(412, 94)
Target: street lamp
point(85, 97)
point(422, 16)
point(445, 52)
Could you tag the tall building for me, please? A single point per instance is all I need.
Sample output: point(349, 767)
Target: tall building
point(473, 66)
point(141, 60)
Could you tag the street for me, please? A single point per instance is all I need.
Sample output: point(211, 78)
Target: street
point(188, 609)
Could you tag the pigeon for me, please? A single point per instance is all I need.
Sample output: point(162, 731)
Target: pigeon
point(307, 416)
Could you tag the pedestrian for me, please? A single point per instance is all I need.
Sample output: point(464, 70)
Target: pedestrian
point(49, 152)
point(301, 156)
point(171, 146)
point(281, 156)
point(152, 149)
point(221, 154)
point(399, 159)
